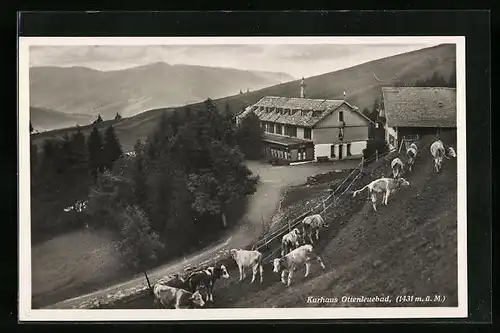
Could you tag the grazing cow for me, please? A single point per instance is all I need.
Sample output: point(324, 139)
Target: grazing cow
point(248, 259)
point(290, 241)
point(289, 263)
point(206, 278)
point(170, 297)
point(438, 151)
point(382, 185)
point(411, 153)
point(175, 281)
point(397, 167)
point(311, 224)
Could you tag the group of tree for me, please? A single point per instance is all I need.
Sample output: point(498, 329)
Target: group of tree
point(435, 80)
point(185, 183)
point(61, 172)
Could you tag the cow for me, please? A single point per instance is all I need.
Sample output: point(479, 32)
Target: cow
point(246, 259)
point(174, 280)
point(206, 278)
point(311, 224)
point(397, 167)
point(289, 263)
point(411, 153)
point(170, 297)
point(438, 151)
point(382, 185)
point(290, 241)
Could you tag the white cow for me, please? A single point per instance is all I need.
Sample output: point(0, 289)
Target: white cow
point(411, 153)
point(311, 224)
point(289, 263)
point(290, 241)
point(170, 297)
point(397, 167)
point(438, 151)
point(248, 259)
point(382, 185)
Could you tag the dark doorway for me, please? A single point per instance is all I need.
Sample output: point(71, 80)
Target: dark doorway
point(340, 152)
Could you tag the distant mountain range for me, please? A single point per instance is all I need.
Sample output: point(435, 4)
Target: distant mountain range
point(84, 91)
point(44, 119)
point(363, 84)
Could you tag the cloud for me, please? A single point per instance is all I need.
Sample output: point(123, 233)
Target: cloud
point(297, 60)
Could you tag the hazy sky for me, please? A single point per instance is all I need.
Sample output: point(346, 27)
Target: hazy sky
point(296, 60)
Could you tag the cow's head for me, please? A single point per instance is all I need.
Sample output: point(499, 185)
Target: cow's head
point(277, 264)
point(403, 182)
point(221, 272)
point(196, 299)
point(233, 252)
point(296, 231)
point(451, 152)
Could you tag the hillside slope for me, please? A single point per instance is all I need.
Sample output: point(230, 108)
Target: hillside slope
point(133, 90)
point(359, 81)
point(408, 248)
point(46, 120)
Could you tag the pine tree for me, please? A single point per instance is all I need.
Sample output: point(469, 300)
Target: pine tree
point(95, 149)
point(118, 116)
point(249, 137)
point(31, 128)
point(98, 120)
point(79, 149)
point(111, 148)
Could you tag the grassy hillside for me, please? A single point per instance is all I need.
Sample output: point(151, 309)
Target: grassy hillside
point(46, 120)
point(361, 84)
point(133, 90)
point(408, 247)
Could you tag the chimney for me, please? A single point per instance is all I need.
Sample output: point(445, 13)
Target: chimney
point(302, 89)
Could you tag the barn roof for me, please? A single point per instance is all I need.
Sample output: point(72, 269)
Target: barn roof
point(307, 112)
point(420, 106)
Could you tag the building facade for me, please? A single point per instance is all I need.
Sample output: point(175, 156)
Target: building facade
point(318, 129)
point(411, 112)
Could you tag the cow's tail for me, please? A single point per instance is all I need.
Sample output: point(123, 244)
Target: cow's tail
point(360, 190)
point(151, 291)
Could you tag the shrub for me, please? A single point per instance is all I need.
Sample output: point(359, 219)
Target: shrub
point(140, 244)
point(374, 145)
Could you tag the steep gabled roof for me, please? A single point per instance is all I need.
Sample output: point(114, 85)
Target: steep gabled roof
point(307, 112)
point(420, 106)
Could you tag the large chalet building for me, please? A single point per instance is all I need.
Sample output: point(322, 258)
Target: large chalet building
point(411, 112)
point(305, 129)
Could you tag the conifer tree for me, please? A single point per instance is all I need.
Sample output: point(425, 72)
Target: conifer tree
point(95, 149)
point(111, 148)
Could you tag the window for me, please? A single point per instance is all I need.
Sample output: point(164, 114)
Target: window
point(307, 133)
point(301, 154)
point(348, 149)
point(341, 116)
point(271, 128)
point(332, 151)
point(279, 129)
point(291, 131)
point(317, 113)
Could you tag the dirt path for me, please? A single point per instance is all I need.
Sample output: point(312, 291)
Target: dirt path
point(261, 207)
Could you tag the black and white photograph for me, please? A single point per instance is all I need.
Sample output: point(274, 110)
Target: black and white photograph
point(205, 178)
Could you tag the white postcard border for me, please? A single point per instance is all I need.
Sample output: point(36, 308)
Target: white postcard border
point(26, 313)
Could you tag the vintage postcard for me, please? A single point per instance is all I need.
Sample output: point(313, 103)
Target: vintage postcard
point(210, 178)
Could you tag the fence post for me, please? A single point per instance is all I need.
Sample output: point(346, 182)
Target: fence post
point(289, 227)
point(324, 206)
point(376, 155)
point(362, 162)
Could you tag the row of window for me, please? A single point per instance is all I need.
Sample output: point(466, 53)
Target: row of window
point(291, 111)
point(333, 149)
point(301, 154)
point(287, 130)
